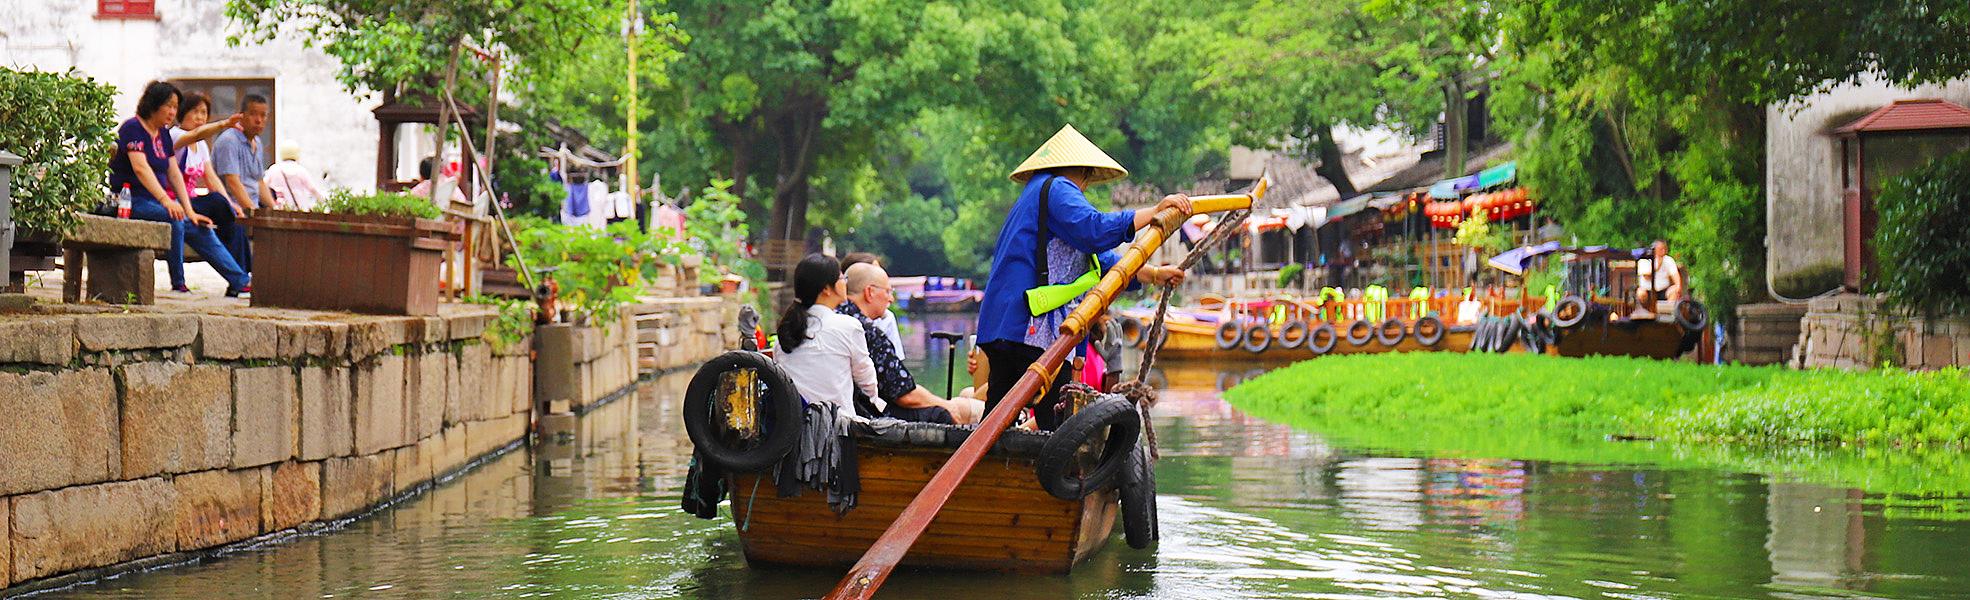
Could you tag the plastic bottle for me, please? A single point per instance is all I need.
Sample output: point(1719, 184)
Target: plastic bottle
point(123, 202)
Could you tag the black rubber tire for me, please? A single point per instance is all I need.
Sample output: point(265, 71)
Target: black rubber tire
point(1360, 331)
point(1692, 315)
point(1055, 466)
point(1230, 335)
point(1383, 335)
point(1322, 339)
point(783, 422)
point(1508, 333)
point(1133, 333)
point(1293, 334)
point(1428, 330)
point(1257, 338)
point(1139, 520)
point(1569, 311)
point(1479, 332)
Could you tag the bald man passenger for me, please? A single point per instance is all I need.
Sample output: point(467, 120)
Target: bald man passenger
point(869, 294)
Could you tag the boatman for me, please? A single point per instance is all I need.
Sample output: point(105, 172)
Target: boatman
point(1053, 248)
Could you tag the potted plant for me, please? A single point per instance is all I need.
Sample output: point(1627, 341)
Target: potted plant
point(376, 253)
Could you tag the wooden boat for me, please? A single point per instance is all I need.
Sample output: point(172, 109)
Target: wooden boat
point(999, 519)
point(1268, 333)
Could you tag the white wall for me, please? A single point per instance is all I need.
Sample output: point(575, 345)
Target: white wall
point(335, 129)
point(1802, 178)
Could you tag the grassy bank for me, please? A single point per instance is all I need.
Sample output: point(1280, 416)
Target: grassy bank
point(1621, 397)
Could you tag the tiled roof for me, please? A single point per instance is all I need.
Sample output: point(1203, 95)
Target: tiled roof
point(1911, 115)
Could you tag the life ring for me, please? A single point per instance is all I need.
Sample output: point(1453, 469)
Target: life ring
point(1570, 311)
point(1322, 339)
point(1390, 332)
point(1429, 330)
point(1059, 456)
point(776, 408)
point(1293, 334)
point(1257, 338)
point(1131, 331)
point(1360, 331)
point(1692, 315)
point(1139, 524)
point(1230, 334)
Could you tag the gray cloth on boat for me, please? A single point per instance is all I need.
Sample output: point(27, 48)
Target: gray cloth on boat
point(825, 457)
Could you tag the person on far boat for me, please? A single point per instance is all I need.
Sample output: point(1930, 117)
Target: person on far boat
point(886, 320)
point(1661, 279)
point(818, 346)
point(869, 294)
point(1052, 249)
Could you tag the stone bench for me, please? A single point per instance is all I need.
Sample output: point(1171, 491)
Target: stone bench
point(119, 257)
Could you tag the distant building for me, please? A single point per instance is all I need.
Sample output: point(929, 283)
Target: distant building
point(126, 43)
point(1823, 163)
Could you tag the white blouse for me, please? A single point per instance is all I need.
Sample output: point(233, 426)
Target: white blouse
point(835, 347)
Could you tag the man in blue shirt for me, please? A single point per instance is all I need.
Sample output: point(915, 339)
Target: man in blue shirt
point(1054, 251)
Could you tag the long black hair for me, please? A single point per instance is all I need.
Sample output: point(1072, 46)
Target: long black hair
point(815, 273)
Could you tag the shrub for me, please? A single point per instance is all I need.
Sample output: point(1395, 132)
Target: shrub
point(1922, 240)
point(61, 125)
point(381, 204)
point(716, 226)
point(598, 270)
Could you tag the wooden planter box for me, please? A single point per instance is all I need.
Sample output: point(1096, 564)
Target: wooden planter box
point(377, 265)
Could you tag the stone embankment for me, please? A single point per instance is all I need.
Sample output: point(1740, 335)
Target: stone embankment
point(142, 438)
point(1851, 331)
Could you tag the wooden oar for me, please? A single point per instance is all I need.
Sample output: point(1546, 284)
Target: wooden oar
point(882, 558)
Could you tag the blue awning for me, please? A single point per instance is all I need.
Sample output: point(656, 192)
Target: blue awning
point(1348, 207)
point(1488, 178)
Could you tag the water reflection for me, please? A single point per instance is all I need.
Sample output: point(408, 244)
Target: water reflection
point(1251, 509)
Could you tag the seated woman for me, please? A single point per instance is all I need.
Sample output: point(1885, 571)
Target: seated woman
point(145, 162)
point(817, 345)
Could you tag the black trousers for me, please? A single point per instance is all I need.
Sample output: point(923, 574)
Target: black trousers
point(231, 232)
point(1009, 361)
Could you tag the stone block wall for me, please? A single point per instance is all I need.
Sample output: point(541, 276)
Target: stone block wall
point(1851, 331)
point(582, 365)
point(675, 333)
point(145, 434)
point(1766, 334)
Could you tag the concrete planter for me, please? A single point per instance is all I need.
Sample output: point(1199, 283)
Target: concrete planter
point(378, 265)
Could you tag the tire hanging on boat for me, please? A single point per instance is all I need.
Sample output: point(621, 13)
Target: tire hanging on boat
point(1257, 338)
point(1692, 315)
point(1230, 335)
point(1570, 311)
point(1479, 334)
point(776, 410)
point(1429, 330)
point(1508, 333)
point(1360, 331)
point(1390, 332)
point(1293, 334)
point(1131, 331)
point(1322, 339)
point(1059, 456)
point(1139, 519)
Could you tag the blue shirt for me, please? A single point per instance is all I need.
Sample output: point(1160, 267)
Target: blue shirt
point(237, 155)
point(1003, 315)
point(157, 149)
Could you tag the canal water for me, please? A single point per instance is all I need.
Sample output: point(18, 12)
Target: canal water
point(1250, 509)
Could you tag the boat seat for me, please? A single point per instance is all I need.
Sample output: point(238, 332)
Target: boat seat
point(897, 433)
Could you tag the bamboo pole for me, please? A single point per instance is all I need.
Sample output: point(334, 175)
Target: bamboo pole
point(881, 559)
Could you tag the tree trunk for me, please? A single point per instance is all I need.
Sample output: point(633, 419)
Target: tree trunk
point(796, 162)
point(1456, 132)
point(1331, 166)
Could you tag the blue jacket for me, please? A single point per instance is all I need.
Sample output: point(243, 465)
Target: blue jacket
point(1002, 315)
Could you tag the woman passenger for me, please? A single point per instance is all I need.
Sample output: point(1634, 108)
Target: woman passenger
point(145, 162)
point(208, 197)
point(818, 346)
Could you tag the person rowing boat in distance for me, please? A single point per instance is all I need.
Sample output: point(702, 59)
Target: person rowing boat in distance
point(1052, 249)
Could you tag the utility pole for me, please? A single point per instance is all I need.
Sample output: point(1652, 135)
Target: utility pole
point(630, 30)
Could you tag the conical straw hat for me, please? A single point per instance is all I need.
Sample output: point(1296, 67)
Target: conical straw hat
point(1069, 148)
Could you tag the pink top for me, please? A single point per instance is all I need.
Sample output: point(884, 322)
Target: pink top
point(293, 186)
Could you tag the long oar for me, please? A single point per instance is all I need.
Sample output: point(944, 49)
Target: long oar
point(882, 558)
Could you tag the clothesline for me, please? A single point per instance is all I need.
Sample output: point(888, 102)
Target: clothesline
point(568, 157)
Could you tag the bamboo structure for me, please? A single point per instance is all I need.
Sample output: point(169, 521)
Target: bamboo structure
point(874, 568)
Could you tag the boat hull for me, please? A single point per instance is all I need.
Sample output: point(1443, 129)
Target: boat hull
point(1191, 340)
point(999, 519)
point(1650, 339)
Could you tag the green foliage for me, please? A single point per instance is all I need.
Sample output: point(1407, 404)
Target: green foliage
point(1922, 240)
point(379, 204)
point(598, 270)
point(908, 233)
point(718, 229)
point(513, 323)
point(60, 126)
point(1476, 231)
point(1611, 396)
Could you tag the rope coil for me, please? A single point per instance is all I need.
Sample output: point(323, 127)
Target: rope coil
point(1138, 390)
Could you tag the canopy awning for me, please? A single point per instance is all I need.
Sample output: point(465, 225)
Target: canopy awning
point(1488, 178)
point(1348, 207)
